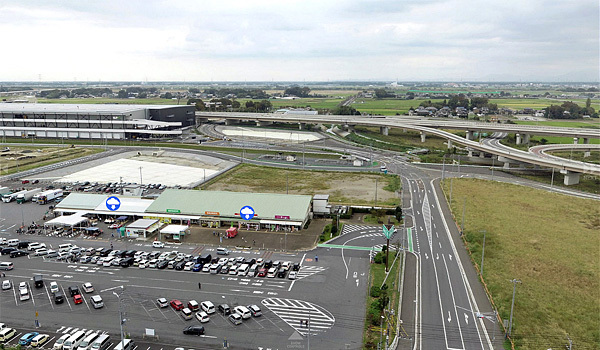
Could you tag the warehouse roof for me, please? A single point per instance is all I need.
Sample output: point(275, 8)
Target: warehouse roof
point(228, 204)
point(77, 108)
point(97, 203)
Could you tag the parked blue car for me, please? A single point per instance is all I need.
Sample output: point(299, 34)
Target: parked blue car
point(27, 338)
point(197, 267)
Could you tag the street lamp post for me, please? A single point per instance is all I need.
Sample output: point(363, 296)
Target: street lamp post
point(121, 320)
point(512, 306)
point(482, 253)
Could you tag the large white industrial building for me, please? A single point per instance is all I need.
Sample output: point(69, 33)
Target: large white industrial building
point(96, 121)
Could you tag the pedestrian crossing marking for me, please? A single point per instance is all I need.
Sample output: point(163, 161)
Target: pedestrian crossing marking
point(301, 315)
point(348, 228)
point(306, 271)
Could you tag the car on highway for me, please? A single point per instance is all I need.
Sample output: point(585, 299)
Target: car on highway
point(77, 299)
point(27, 338)
point(88, 288)
point(176, 304)
point(194, 330)
point(236, 319)
point(162, 302)
point(39, 340)
point(202, 316)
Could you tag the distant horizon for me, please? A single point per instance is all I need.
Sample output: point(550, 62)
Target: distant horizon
point(297, 82)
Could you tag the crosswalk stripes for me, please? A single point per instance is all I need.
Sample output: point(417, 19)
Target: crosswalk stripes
point(306, 271)
point(301, 315)
point(348, 228)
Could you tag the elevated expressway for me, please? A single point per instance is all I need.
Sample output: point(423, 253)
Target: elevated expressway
point(428, 126)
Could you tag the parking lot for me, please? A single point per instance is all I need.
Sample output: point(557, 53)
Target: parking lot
point(325, 299)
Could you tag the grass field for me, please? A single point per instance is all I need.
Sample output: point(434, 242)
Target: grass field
point(315, 103)
point(548, 241)
point(343, 188)
point(21, 158)
point(578, 155)
point(578, 123)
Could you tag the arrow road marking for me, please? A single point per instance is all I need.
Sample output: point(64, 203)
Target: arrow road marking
point(450, 256)
point(467, 318)
point(449, 318)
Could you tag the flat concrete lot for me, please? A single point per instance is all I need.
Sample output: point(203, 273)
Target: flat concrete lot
point(329, 293)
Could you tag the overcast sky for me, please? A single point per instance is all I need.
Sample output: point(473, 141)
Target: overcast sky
point(288, 40)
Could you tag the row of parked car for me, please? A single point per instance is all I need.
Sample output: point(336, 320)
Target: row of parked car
point(204, 309)
point(79, 340)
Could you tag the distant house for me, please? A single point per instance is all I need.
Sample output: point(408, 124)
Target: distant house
point(528, 111)
point(462, 112)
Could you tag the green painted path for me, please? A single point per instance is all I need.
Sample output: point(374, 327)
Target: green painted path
point(410, 240)
point(339, 246)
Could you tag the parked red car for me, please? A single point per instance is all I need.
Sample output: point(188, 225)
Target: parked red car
point(176, 304)
point(25, 181)
point(77, 299)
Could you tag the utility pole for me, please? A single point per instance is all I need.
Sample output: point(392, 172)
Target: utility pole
point(570, 343)
point(552, 181)
point(121, 319)
point(141, 176)
point(287, 182)
point(482, 253)
point(443, 167)
point(376, 180)
point(514, 282)
point(462, 224)
point(450, 204)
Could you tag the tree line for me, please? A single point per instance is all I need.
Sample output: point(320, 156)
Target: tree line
point(570, 110)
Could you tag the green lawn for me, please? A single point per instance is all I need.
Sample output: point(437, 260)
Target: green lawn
point(578, 123)
point(548, 241)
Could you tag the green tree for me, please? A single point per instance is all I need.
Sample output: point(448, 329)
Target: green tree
point(122, 94)
point(345, 110)
point(168, 95)
point(588, 103)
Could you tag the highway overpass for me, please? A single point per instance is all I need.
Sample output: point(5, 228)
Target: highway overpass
point(571, 169)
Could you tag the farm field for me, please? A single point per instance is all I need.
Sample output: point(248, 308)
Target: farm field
point(577, 123)
point(550, 243)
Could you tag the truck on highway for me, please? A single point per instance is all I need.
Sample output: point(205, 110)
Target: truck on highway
point(12, 196)
point(47, 196)
point(27, 195)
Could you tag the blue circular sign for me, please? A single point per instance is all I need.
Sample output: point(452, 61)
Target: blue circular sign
point(247, 212)
point(113, 203)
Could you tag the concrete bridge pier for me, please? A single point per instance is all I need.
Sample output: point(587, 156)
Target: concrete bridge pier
point(481, 154)
point(571, 178)
point(470, 151)
point(449, 144)
point(348, 127)
point(384, 130)
point(301, 126)
point(518, 139)
point(423, 135)
point(231, 121)
point(263, 123)
point(200, 120)
point(575, 140)
point(506, 162)
point(469, 135)
point(586, 141)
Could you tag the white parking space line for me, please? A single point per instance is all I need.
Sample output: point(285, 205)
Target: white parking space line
point(66, 297)
point(86, 303)
point(31, 293)
point(14, 293)
point(49, 298)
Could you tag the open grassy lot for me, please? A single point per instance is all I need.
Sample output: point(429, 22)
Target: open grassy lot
point(313, 102)
point(343, 187)
point(21, 158)
point(578, 155)
point(548, 241)
point(578, 123)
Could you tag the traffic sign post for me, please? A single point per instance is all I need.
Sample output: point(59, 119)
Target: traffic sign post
point(388, 232)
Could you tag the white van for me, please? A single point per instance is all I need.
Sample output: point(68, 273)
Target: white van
point(65, 247)
point(101, 343)
point(158, 244)
point(59, 343)
point(5, 265)
point(127, 344)
point(12, 242)
point(253, 270)
point(7, 334)
point(74, 341)
point(208, 307)
point(187, 314)
point(97, 301)
point(222, 251)
point(86, 344)
point(243, 270)
point(242, 311)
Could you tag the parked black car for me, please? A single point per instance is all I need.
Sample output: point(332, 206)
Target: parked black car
point(162, 265)
point(194, 330)
point(7, 250)
point(17, 253)
point(180, 265)
point(74, 290)
point(59, 297)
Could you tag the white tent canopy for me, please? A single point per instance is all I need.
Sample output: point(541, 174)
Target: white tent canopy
point(174, 229)
point(67, 220)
